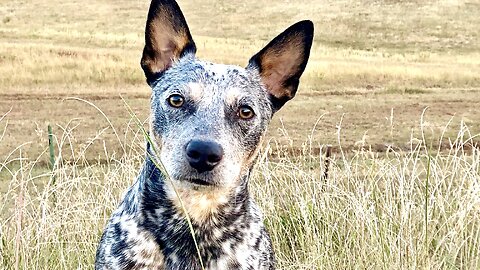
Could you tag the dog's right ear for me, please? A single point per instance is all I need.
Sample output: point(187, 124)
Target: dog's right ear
point(167, 38)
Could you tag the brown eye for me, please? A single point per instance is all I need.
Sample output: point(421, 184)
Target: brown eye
point(176, 100)
point(245, 112)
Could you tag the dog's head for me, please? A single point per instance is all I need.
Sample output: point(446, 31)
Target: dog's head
point(207, 120)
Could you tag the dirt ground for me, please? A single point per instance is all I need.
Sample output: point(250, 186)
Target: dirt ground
point(367, 120)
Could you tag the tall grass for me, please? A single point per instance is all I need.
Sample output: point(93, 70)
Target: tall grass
point(394, 210)
point(374, 211)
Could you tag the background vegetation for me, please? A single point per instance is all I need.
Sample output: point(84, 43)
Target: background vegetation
point(392, 88)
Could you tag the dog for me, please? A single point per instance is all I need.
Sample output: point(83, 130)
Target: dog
point(207, 123)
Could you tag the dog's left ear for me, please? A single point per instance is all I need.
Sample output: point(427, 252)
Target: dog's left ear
point(282, 62)
point(167, 38)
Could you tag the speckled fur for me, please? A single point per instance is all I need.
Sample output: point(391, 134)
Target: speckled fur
point(149, 230)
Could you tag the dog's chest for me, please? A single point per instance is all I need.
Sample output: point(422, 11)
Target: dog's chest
point(145, 252)
point(134, 246)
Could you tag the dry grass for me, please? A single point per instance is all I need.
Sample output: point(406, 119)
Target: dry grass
point(398, 210)
point(381, 45)
point(395, 55)
point(391, 200)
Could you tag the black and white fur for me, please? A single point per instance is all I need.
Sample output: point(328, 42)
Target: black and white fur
point(207, 122)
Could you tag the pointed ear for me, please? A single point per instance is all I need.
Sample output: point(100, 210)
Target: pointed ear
point(282, 62)
point(167, 38)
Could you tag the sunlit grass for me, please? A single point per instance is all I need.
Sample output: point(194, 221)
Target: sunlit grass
point(416, 44)
point(375, 65)
point(397, 210)
point(33, 64)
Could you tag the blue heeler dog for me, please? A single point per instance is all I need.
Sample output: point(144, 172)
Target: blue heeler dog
point(207, 123)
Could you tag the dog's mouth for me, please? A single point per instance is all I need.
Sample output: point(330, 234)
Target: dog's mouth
point(200, 182)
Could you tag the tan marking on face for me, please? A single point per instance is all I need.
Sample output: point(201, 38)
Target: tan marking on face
point(196, 91)
point(232, 96)
point(201, 204)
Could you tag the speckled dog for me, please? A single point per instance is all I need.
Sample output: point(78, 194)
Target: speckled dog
point(207, 122)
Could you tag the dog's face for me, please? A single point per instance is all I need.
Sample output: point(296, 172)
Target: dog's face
point(207, 120)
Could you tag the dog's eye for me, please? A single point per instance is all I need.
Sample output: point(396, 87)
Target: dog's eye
point(176, 100)
point(245, 112)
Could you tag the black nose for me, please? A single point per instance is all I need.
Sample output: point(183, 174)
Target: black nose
point(204, 155)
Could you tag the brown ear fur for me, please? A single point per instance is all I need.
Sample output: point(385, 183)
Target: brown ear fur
point(167, 38)
point(283, 60)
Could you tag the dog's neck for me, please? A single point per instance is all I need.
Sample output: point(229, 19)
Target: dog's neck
point(165, 219)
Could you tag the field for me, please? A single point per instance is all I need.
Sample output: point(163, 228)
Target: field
point(392, 88)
